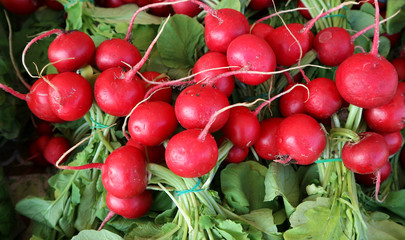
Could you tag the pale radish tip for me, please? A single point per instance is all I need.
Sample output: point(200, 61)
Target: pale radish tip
point(106, 219)
point(283, 159)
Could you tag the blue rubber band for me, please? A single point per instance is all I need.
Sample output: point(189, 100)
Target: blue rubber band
point(337, 15)
point(329, 160)
point(98, 125)
point(194, 189)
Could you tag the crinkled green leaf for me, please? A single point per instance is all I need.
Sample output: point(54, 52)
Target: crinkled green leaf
point(74, 15)
point(99, 235)
point(397, 23)
point(264, 219)
point(383, 228)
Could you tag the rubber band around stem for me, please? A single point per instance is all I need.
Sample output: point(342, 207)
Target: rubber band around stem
point(193, 189)
point(336, 15)
point(328, 160)
point(98, 125)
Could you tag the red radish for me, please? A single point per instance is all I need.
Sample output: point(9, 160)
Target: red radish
point(370, 178)
point(75, 44)
point(293, 102)
point(112, 3)
point(152, 122)
point(260, 4)
point(300, 137)
point(324, 98)
point(394, 141)
point(153, 154)
point(22, 7)
point(190, 155)
point(235, 154)
point(44, 128)
point(304, 12)
point(212, 60)
point(55, 148)
point(265, 145)
point(195, 105)
point(161, 11)
point(36, 150)
point(124, 172)
point(70, 96)
point(163, 94)
point(116, 53)
point(333, 45)
point(187, 8)
point(262, 30)
point(389, 117)
point(54, 4)
point(222, 26)
point(116, 94)
point(130, 208)
point(242, 127)
point(251, 53)
point(366, 155)
point(399, 64)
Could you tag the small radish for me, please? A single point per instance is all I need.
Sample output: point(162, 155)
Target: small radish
point(293, 102)
point(212, 60)
point(74, 44)
point(116, 94)
point(394, 141)
point(36, 150)
point(365, 155)
point(399, 64)
point(260, 4)
point(116, 53)
point(153, 154)
point(187, 8)
point(70, 96)
point(333, 45)
point(152, 122)
point(161, 11)
point(304, 12)
point(262, 30)
point(265, 145)
point(222, 26)
point(300, 137)
point(163, 94)
point(195, 105)
point(44, 128)
point(252, 53)
point(242, 127)
point(112, 3)
point(324, 98)
point(370, 178)
point(235, 154)
point(189, 155)
point(54, 4)
point(130, 208)
point(21, 7)
point(55, 148)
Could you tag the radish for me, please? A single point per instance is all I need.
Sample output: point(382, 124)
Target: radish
point(44, 128)
point(70, 51)
point(190, 154)
point(213, 60)
point(324, 98)
point(187, 8)
point(262, 30)
point(55, 148)
point(116, 93)
point(153, 154)
point(265, 145)
point(242, 127)
point(116, 53)
point(304, 12)
point(152, 122)
point(130, 208)
point(370, 179)
point(70, 96)
point(161, 11)
point(22, 7)
point(195, 105)
point(300, 137)
point(260, 4)
point(235, 154)
point(163, 94)
point(222, 26)
point(394, 141)
point(333, 45)
point(36, 150)
point(293, 102)
point(252, 53)
point(399, 64)
point(367, 154)
point(112, 3)
point(54, 4)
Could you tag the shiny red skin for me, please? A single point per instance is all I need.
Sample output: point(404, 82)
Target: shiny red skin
point(152, 122)
point(188, 156)
point(236, 155)
point(114, 52)
point(262, 30)
point(394, 141)
point(21, 7)
point(38, 101)
point(224, 26)
point(130, 208)
point(260, 4)
point(367, 155)
point(124, 172)
point(162, 11)
point(366, 80)
point(389, 117)
point(74, 44)
point(285, 47)
point(163, 94)
point(72, 96)
point(333, 45)
point(252, 53)
point(214, 60)
point(324, 98)
point(187, 8)
point(197, 103)
point(266, 146)
point(242, 127)
point(117, 95)
point(54, 4)
point(55, 148)
point(370, 178)
point(300, 137)
point(399, 64)
point(304, 13)
point(36, 150)
point(112, 3)
point(293, 102)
